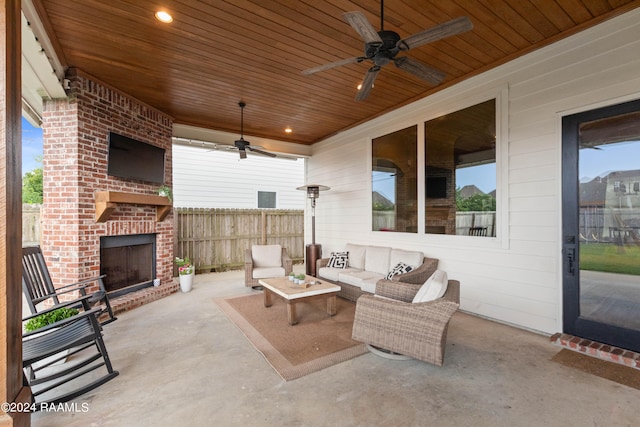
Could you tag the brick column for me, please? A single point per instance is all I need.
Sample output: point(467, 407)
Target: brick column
point(61, 186)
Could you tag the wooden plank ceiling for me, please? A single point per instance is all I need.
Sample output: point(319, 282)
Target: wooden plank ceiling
point(216, 53)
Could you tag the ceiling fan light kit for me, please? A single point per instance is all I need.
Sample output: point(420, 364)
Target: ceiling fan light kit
point(382, 47)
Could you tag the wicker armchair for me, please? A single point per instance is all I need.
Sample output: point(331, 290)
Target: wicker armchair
point(264, 261)
point(400, 326)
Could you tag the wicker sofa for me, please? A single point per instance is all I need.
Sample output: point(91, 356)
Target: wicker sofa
point(396, 324)
point(368, 266)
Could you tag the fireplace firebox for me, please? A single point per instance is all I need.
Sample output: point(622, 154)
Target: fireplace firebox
point(128, 261)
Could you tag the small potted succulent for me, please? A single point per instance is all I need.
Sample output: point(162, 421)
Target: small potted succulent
point(186, 271)
point(165, 191)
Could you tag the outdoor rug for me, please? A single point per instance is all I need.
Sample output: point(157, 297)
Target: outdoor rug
point(602, 368)
point(316, 342)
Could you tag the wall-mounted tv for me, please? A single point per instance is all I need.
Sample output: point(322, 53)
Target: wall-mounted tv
point(436, 187)
point(133, 159)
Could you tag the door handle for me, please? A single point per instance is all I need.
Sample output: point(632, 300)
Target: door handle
point(569, 249)
point(571, 260)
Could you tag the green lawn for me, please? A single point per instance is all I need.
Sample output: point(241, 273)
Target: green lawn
point(610, 258)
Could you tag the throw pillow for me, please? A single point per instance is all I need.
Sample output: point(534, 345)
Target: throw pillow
point(400, 268)
point(433, 288)
point(339, 260)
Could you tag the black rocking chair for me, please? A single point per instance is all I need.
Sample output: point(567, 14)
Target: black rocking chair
point(78, 337)
point(38, 286)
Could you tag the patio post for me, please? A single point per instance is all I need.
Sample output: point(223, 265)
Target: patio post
point(11, 389)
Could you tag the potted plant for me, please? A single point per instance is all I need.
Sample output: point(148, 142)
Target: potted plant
point(45, 319)
point(186, 271)
point(165, 191)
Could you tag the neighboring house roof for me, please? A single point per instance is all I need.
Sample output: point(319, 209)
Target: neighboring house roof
point(380, 200)
point(594, 192)
point(470, 190)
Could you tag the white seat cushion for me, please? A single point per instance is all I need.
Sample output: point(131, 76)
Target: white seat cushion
point(412, 258)
point(331, 273)
point(377, 259)
point(267, 272)
point(433, 288)
point(266, 256)
point(360, 278)
point(369, 285)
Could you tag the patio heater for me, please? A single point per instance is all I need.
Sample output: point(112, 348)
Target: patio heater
point(313, 250)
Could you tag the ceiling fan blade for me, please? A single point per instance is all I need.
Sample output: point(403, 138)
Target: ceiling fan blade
point(367, 84)
point(420, 70)
point(332, 65)
point(450, 28)
point(361, 24)
point(264, 153)
point(243, 153)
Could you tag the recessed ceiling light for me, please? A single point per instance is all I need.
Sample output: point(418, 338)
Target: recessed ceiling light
point(288, 130)
point(360, 86)
point(164, 16)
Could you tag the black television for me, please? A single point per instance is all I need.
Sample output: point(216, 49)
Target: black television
point(436, 187)
point(133, 159)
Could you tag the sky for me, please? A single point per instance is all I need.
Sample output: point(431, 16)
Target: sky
point(607, 158)
point(483, 177)
point(31, 146)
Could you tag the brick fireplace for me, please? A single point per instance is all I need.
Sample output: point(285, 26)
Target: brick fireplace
point(75, 134)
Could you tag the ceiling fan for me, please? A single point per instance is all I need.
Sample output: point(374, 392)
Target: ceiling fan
point(241, 144)
point(382, 47)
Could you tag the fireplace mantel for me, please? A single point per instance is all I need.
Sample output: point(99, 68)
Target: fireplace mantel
point(108, 201)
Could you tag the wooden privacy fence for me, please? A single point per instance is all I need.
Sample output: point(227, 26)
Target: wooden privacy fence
point(485, 219)
point(464, 221)
point(31, 231)
point(215, 239)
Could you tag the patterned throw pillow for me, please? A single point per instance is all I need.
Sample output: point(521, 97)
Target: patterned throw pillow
point(339, 260)
point(401, 268)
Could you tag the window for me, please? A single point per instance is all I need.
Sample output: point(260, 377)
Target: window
point(460, 173)
point(266, 199)
point(394, 181)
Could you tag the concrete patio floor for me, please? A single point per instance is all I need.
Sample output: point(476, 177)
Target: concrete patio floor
point(182, 362)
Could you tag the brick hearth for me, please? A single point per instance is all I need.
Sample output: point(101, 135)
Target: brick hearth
point(143, 296)
point(598, 350)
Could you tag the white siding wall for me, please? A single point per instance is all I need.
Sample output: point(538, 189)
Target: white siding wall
point(218, 179)
point(515, 278)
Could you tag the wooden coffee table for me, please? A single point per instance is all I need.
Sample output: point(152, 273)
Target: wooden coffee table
point(293, 294)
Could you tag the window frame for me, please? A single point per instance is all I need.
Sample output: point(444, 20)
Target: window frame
point(438, 108)
point(443, 172)
point(399, 127)
point(275, 193)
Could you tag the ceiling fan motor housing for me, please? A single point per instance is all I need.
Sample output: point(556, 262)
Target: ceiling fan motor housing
point(382, 54)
